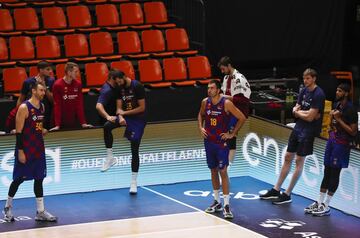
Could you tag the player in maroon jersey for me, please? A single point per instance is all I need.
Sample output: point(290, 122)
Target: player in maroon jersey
point(30, 163)
point(216, 111)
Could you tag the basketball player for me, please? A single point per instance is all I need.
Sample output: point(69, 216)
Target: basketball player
point(216, 111)
point(309, 113)
point(236, 88)
point(344, 126)
point(130, 112)
point(30, 163)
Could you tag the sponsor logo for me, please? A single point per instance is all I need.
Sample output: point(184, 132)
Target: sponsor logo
point(237, 195)
point(18, 218)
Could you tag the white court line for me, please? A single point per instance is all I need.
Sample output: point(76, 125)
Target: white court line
point(87, 223)
point(197, 209)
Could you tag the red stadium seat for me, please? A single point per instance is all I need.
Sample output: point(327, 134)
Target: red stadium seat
point(177, 40)
point(6, 22)
point(33, 71)
point(48, 47)
point(131, 14)
point(124, 66)
point(175, 69)
point(151, 74)
point(26, 19)
point(96, 75)
point(155, 13)
point(79, 17)
point(22, 48)
point(129, 44)
point(199, 68)
point(13, 79)
point(53, 18)
point(107, 15)
point(4, 54)
point(101, 43)
point(76, 45)
point(153, 41)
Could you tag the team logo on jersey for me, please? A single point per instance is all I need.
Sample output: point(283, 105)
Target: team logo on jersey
point(208, 112)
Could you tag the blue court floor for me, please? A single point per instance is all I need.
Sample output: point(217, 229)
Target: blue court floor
point(250, 212)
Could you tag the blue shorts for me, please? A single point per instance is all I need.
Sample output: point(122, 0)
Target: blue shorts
point(336, 155)
point(301, 144)
point(134, 128)
point(32, 169)
point(217, 155)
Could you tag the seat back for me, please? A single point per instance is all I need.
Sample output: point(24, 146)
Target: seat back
point(101, 43)
point(96, 74)
point(131, 14)
point(129, 42)
point(53, 18)
point(155, 12)
point(4, 53)
point(21, 47)
point(6, 21)
point(47, 47)
point(13, 79)
point(76, 45)
point(153, 41)
point(177, 39)
point(107, 15)
point(199, 67)
point(78, 16)
point(60, 72)
point(150, 71)
point(26, 19)
point(174, 69)
point(124, 66)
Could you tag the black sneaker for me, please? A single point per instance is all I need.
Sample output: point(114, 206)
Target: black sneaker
point(282, 199)
point(227, 212)
point(271, 194)
point(215, 207)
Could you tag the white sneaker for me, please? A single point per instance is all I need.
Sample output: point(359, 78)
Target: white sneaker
point(133, 187)
point(8, 216)
point(45, 216)
point(311, 208)
point(322, 210)
point(109, 162)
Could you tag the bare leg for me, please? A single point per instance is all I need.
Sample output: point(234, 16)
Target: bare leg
point(284, 170)
point(231, 156)
point(215, 179)
point(297, 173)
point(225, 181)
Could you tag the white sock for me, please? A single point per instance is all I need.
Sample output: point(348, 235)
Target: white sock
point(226, 199)
point(327, 200)
point(217, 196)
point(321, 198)
point(9, 202)
point(109, 152)
point(40, 204)
point(134, 176)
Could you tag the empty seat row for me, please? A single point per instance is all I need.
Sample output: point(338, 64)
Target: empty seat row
point(21, 3)
point(101, 44)
point(173, 72)
point(107, 15)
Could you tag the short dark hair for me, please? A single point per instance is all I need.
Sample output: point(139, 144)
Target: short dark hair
point(311, 72)
point(35, 85)
point(43, 64)
point(69, 66)
point(115, 73)
point(216, 82)
point(225, 61)
point(345, 87)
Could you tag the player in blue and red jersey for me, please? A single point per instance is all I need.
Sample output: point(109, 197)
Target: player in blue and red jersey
point(344, 127)
point(30, 163)
point(130, 112)
point(216, 112)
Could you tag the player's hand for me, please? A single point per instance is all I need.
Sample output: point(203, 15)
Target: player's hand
point(226, 136)
point(111, 119)
point(203, 133)
point(122, 121)
point(21, 156)
point(13, 131)
point(337, 115)
point(296, 108)
point(87, 126)
point(56, 128)
point(121, 112)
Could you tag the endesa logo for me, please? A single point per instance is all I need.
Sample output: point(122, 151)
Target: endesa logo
point(53, 160)
point(238, 195)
